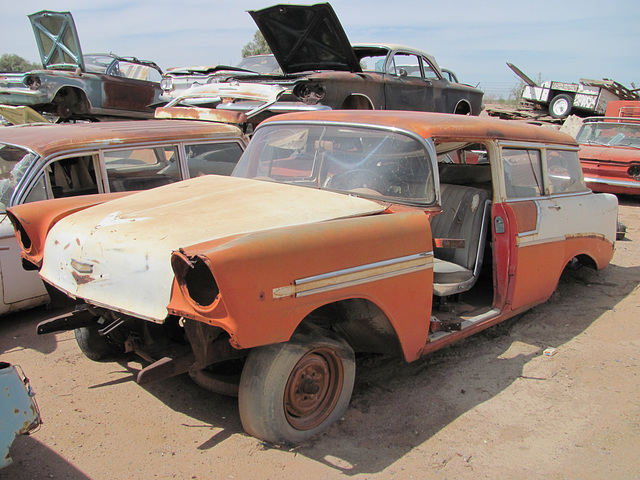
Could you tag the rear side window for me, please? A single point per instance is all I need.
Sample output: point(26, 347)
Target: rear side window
point(73, 176)
point(141, 168)
point(212, 158)
point(564, 171)
point(522, 172)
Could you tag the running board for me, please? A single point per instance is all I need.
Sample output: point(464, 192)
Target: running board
point(442, 329)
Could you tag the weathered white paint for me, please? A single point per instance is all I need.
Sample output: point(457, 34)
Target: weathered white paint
point(574, 215)
point(127, 243)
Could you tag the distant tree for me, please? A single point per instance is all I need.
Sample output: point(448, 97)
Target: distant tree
point(12, 63)
point(257, 46)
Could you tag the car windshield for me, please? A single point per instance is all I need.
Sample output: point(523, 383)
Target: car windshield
point(371, 59)
point(359, 161)
point(260, 64)
point(14, 162)
point(97, 63)
point(610, 134)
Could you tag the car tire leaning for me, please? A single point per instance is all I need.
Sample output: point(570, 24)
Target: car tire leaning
point(290, 391)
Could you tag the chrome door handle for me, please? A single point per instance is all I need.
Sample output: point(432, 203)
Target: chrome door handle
point(557, 207)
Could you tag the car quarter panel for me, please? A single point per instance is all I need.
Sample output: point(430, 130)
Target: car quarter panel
point(270, 281)
point(556, 229)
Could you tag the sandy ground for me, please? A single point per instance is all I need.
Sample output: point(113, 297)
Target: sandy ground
point(493, 406)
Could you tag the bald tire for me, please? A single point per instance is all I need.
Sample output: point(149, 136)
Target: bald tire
point(274, 409)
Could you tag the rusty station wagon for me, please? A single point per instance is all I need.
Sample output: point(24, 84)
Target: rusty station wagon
point(44, 161)
point(339, 232)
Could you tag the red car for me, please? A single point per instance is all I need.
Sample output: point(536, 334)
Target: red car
point(610, 154)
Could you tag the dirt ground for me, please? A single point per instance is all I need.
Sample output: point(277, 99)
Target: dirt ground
point(492, 407)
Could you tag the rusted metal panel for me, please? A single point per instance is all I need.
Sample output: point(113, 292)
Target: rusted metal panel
point(383, 272)
point(437, 125)
point(197, 113)
point(50, 139)
point(19, 413)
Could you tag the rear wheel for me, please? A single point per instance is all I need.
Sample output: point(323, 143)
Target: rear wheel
point(291, 391)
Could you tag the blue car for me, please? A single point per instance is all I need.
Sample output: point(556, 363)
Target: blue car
point(76, 86)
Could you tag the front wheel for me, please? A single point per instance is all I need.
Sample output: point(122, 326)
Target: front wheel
point(95, 346)
point(560, 106)
point(291, 391)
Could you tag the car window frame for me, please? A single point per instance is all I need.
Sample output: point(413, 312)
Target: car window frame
point(432, 68)
point(40, 164)
point(44, 168)
point(546, 183)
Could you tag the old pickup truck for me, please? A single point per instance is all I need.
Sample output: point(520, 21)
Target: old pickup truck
point(389, 232)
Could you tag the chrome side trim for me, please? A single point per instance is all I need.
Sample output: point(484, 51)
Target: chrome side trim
point(613, 183)
point(361, 274)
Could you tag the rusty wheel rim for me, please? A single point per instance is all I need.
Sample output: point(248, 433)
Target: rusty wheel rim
point(313, 388)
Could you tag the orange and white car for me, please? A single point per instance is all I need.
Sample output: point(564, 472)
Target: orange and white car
point(338, 232)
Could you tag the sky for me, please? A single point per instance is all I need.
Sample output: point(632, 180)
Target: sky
point(562, 40)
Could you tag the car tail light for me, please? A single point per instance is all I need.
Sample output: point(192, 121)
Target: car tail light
point(195, 279)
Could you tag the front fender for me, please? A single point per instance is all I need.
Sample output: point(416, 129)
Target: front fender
point(270, 281)
point(32, 221)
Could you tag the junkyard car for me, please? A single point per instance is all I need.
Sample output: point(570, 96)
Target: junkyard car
point(323, 70)
point(176, 80)
point(610, 154)
point(338, 232)
point(53, 161)
point(77, 86)
point(19, 413)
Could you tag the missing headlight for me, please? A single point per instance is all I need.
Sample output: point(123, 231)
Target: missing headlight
point(195, 279)
point(21, 233)
point(634, 171)
point(33, 82)
point(310, 93)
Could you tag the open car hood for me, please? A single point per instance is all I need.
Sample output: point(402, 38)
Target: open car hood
point(306, 37)
point(57, 40)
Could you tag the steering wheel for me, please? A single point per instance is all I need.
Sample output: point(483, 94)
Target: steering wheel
point(359, 178)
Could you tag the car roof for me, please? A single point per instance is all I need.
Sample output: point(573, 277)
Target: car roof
point(395, 47)
point(48, 139)
point(440, 126)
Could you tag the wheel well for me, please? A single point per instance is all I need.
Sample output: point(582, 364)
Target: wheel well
point(357, 101)
point(73, 96)
point(462, 108)
point(555, 93)
point(585, 261)
point(360, 322)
